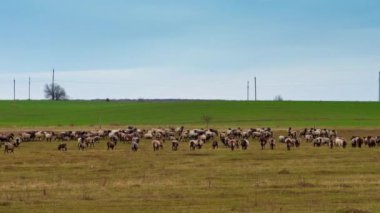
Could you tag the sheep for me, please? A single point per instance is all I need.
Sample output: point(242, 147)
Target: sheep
point(17, 142)
point(356, 142)
point(309, 138)
point(157, 145)
point(82, 145)
point(39, 136)
point(110, 145)
point(244, 144)
point(48, 137)
point(6, 138)
point(370, 141)
point(203, 138)
point(292, 134)
point(9, 147)
point(340, 142)
point(136, 140)
point(26, 137)
point(288, 144)
point(263, 142)
point(282, 139)
point(292, 142)
point(148, 135)
point(90, 141)
point(256, 134)
point(215, 145)
point(272, 143)
point(193, 144)
point(175, 145)
point(62, 147)
point(325, 140)
point(134, 146)
point(232, 144)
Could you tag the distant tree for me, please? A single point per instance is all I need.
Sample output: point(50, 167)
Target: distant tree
point(207, 119)
point(58, 93)
point(278, 98)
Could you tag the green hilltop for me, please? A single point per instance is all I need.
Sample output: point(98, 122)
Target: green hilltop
point(280, 114)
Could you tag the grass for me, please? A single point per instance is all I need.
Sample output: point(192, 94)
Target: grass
point(223, 113)
point(38, 178)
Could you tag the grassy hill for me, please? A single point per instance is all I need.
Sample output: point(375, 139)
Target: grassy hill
point(189, 113)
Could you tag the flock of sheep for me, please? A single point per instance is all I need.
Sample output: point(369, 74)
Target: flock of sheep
point(195, 138)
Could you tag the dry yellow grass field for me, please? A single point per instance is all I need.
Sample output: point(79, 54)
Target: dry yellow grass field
point(38, 178)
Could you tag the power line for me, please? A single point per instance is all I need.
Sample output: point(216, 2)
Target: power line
point(255, 90)
point(52, 88)
point(29, 90)
point(247, 90)
point(14, 89)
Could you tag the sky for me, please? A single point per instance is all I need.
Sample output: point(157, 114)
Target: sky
point(198, 49)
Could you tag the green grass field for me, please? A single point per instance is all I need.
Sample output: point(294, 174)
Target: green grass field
point(224, 113)
point(38, 178)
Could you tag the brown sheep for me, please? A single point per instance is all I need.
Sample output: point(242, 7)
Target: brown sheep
point(110, 145)
point(62, 147)
point(232, 144)
point(272, 143)
point(370, 141)
point(175, 145)
point(215, 145)
point(263, 142)
point(244, 144)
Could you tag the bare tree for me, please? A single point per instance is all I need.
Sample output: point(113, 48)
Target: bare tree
point(207, 119)
point(55, 92)
point(278, 98)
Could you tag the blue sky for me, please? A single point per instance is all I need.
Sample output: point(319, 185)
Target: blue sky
point(302, 50)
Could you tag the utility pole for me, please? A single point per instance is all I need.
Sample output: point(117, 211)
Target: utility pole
point(379, 86)
point(52, 88)
point(247, 90)
point(29, 90)
point(255, 90)
point(14, 89)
